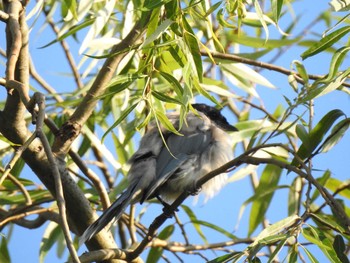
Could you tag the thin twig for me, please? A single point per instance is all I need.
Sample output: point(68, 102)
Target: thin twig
point(4, 16)
point(102, 192)
point(16, 156)
point(25, 214)
point(19, 185)
point(265, 65)
point(66, 51)
point(40, 102)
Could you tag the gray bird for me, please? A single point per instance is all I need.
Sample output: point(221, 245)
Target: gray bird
point(166, 171)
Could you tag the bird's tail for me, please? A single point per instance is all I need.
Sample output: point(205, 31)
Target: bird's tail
point(112, 213)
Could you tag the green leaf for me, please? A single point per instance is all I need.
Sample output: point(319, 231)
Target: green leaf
point(337, 60)
point(317, 134)
point(261, 43)
point(4, 252)
point(322, 181)
point(303, 135)
point(293, 254)
point(192, 44)
point(165, 98)
point(316, 91)
point(336, 135)
point(193, 218)
point(340, 5)
point(269, 180)
point(214, 227)
point(275, 228)
point(232, 257)
point(70, 32)
point(72, 6)
point(156, 252)
point(50, 237)
point(277, 249)
point(326, 42)
point(334, 184)
point(294, 196)
point(121, 118)
point(222, 20)
point(173, 82)
point(260, 14)
point(340, 248)
point(165, 122)
point(276, 6)
point(301, 70)
point(158, 32)
point(310, 256)
point(213, 8)
point(317, 237)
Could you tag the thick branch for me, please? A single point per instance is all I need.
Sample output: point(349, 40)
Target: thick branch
point(71, 129)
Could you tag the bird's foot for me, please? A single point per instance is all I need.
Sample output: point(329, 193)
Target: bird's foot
point(167, 209)
point(194, 190)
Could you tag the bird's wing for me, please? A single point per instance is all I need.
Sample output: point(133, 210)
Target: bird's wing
point(182, 151)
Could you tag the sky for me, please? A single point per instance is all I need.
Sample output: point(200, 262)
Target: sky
point(233, 194)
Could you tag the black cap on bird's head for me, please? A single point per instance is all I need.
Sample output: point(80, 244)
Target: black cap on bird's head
point(214, 115)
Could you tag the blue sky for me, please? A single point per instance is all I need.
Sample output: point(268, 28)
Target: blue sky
point(25, 244)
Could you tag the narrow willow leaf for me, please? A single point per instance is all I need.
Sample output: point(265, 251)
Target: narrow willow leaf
point(269, 180)
point(123, 78)
point(322, 181)
point(4, 252)
point(276, 228)
point(260, 14)
point(158, 32)
point(340, 5)
point(214, 227)
point(49, 239)
point(192, 44)
point(311, 257)
point(336, 135)
point(72, 31)
point(276, 6)
point(193, 218)
point(340, 248)
point(165, 122)
point(293, 254)
point(259, 43)
point(173, 82)
point(326, 42)
point(121, 118)
point(303, 135)
point(156, 252)
point(337, 60)
point(317, 237)
point(334, 184)
point(222, 21)
point(213, 8)
point(294, 196)
point(301, 71)
point(72, 7)
point(317, 134)
point(232, 257)
point(277, 249)
point(165, 98)
point(326, 88)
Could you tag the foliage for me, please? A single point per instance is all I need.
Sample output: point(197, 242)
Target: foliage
point(126, 63)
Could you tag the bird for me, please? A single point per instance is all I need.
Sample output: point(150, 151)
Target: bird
point(166, 164)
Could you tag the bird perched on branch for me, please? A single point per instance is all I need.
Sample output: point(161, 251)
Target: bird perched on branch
point(165, 170)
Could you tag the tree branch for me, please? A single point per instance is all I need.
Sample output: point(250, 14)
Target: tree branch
point(261, 64)
point(71, 129)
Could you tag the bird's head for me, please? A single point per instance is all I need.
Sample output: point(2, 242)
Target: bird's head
point(214, 115)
